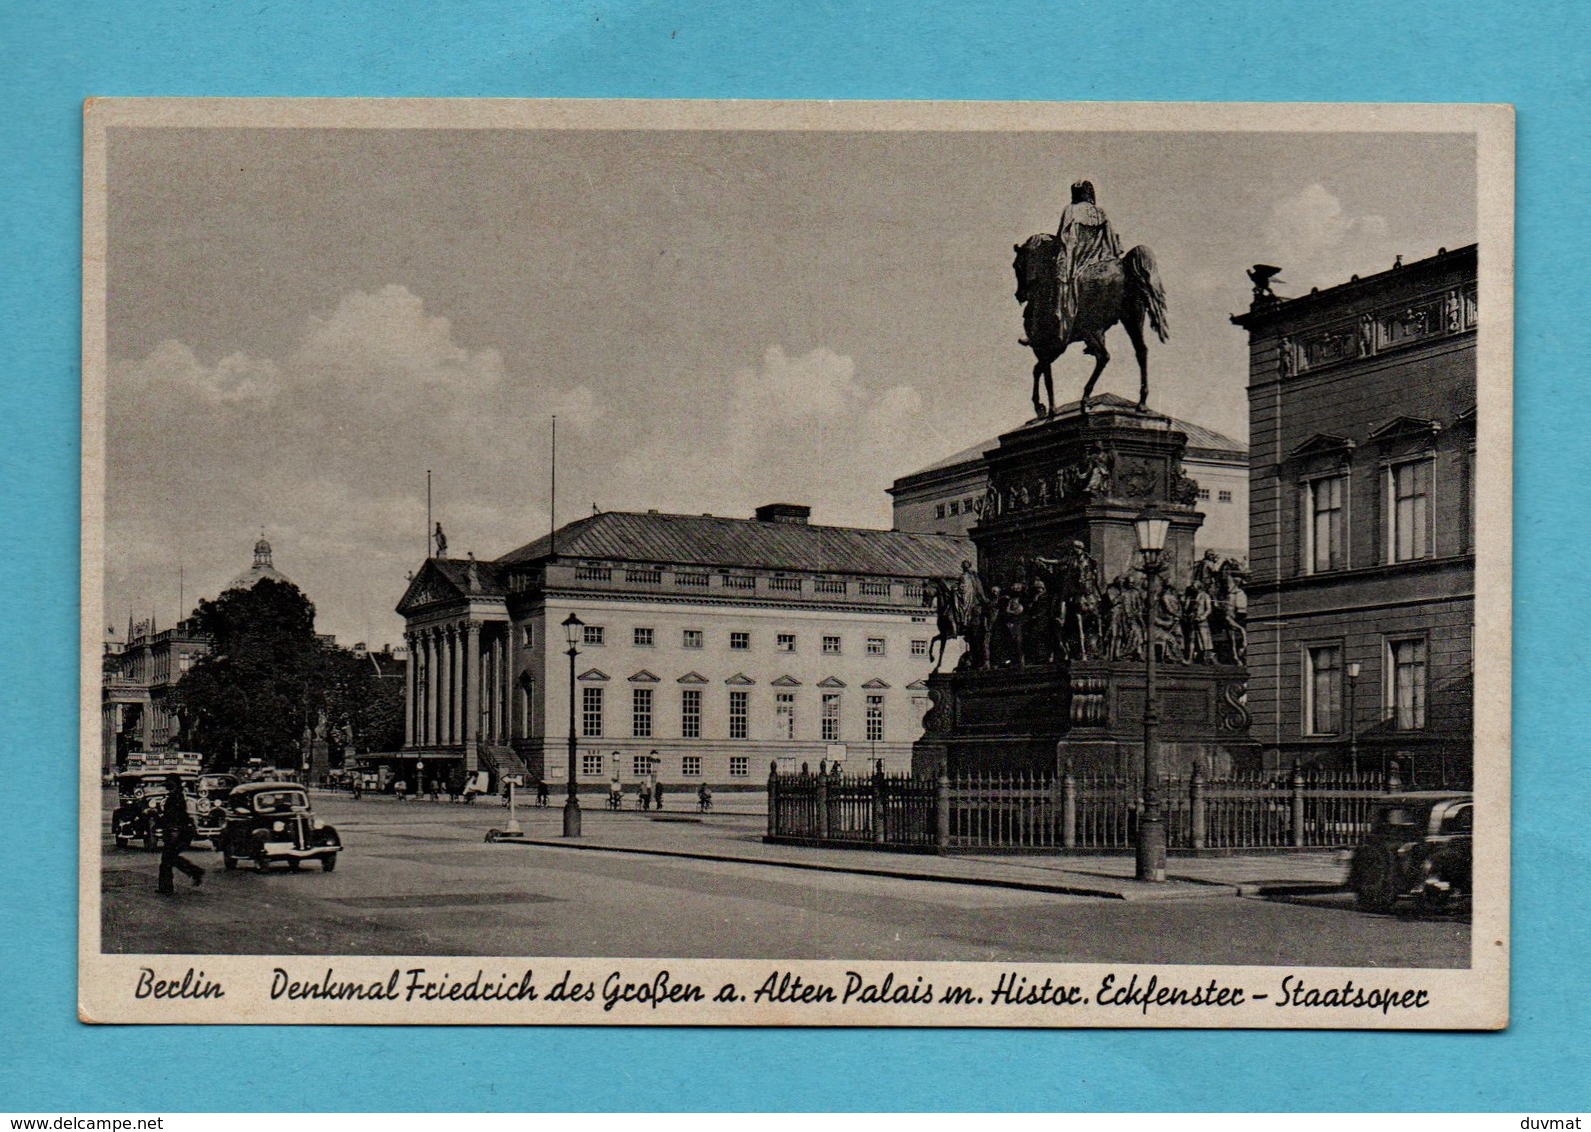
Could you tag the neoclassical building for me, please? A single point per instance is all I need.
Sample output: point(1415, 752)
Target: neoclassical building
point(1362, 601)
point(719, 645)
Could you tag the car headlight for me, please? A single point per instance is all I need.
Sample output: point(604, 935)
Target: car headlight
point(278, 827)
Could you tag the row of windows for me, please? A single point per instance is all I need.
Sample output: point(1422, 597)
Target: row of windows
point(590, 572)
point(740, 641)
point(1222, 497)
point(642, 702)
point(1407, 530)
point(1403, 696)
point(596, 765)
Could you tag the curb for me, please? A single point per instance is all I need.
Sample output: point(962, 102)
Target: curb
point(1206, 890)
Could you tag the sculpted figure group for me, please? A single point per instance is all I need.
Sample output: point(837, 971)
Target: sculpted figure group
point(1060, 609)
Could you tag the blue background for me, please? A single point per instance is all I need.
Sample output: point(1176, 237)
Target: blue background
point(54, 54)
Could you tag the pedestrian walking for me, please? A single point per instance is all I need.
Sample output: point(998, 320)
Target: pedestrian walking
point(704, 798)
point(657, 794)
point(541, 793)
point(177, 830)
point(401, 789)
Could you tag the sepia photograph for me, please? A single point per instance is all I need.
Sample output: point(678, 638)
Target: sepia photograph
point(929, 564)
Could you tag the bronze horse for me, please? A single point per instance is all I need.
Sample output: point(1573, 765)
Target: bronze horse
point(1125, 290)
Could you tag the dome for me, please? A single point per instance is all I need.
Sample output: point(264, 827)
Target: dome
point(261, 570)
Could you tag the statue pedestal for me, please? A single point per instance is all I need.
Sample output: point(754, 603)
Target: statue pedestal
point(1059, 489)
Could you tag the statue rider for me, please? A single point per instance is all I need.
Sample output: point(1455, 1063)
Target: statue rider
point(1084, 238)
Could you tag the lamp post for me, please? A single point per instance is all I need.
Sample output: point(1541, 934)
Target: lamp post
point(571, 807)
point(1151, 529)
point(1353, 731)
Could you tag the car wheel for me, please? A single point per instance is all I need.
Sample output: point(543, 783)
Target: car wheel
point(262, 864)
point(228, 860)
point(294, 864)
point(121, 842)
point(149, 841)
point(329, 862)
point(1373, 886)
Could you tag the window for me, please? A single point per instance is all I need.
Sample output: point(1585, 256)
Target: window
point(699, 581)
point(737, 714)
point(527, 636)
point(591, 765)
point(784, 642)
point(939, 511)
point(740, 642)
point(1328, 530)
point(1204, 493)
point(591, 711)
point(955, 506)
point(831, 717)
point(594, 635)
point(967, 506)
point(643, 638)
point(831, 646)
point(875, 589)
point(739, 766)
point(919, 647)
point(829, 586)
point(1323, 706)
point(875, 719)
point(875, 646)
point(1409, 491)
point(692, 639)
point(641, 713)
point(691, 766)
point(784, 715)
point(593, 574)
point(1407, 706)
point(1224, 497)
point(640, 764)
point(690, 713)
point(740, 582)
point(787, 585)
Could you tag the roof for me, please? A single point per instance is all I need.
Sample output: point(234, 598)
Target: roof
point(709, 542)
point(1199, 437)
point(1281, 307)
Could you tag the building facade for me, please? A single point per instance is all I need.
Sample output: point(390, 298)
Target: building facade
point(713, 646)
point(948, 497)
point(1362, 520)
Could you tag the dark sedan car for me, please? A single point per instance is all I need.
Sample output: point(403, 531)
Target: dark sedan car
point(1418, 846)
point(272, 821)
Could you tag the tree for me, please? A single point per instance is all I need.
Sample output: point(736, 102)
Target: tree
point(263, 681)
point(364, 706)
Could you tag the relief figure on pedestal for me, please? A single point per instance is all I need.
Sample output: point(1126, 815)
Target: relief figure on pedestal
point(1076, 285)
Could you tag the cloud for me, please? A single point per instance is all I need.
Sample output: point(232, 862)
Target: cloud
point(1318, 242)
point(174, 369)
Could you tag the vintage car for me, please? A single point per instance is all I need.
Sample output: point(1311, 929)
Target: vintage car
point(209, 809)
point(141, 795)
point(1418, 846)
point(272, 821)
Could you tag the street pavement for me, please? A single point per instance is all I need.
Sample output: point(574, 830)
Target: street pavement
point(419, 878)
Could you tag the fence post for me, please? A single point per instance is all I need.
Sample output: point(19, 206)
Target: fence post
point(1393, 783)
point(1298, 805)
point(1068, 808)
point(1196, 806)
point(878, 804)
point(942, 812)
point(822, 789)
point(773, 797)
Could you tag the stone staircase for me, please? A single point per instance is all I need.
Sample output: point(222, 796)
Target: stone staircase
point(501, 761)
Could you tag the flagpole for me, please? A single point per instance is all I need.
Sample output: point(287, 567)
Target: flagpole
point(553, 510)
point(428, 513)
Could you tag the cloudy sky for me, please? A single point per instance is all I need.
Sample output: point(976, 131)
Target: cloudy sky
point(301, 322)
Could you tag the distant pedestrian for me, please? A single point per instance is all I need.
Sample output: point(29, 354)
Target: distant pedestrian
point(541, 793)
point(657, 794)
point(401, 789)
point(704, 798)
point(177, 830)
point(431, 789)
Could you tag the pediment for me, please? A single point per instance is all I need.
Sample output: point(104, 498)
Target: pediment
point(917, 685)
point(1400, 428)
point(740, 679)
point(644, 677)
point(831, 682)
point(1323, 444)
point(427, 588)
point(875, 684)
point(595, 674)
point(692, 678)
point(786, 682)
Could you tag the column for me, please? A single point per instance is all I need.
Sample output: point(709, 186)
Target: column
point(471, 699)
point(444, 686)
point(408, 693)
point(502, 685)
point(428, 689)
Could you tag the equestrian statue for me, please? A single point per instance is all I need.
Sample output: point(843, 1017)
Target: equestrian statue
point(1077, 284)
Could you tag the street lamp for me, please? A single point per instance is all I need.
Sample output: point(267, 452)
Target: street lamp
point(571, 807)
point(1151, 529)
point(1353, 731)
